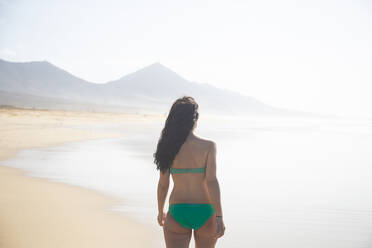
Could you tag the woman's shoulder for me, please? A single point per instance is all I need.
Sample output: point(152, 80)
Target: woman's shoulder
point(206, 141)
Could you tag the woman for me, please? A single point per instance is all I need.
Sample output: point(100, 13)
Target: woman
point(194, 202)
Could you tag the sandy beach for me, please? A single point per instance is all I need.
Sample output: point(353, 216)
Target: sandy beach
point(40, 213)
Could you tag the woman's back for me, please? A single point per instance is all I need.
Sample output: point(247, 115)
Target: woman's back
point(191, 187)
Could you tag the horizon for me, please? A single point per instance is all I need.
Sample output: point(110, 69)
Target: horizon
point(298, 55)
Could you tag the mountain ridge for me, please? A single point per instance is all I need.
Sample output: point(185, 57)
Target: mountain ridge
point(154, 86)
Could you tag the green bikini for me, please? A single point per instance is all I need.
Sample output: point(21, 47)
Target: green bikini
point(190, 215)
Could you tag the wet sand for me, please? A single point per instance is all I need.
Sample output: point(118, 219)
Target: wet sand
point(40, 213)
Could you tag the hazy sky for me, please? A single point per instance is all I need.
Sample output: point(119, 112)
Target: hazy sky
point(308, 55)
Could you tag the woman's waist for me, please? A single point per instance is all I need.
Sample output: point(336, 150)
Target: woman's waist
point(189, 196)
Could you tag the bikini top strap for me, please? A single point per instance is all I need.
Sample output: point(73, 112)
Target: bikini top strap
point(187, 170)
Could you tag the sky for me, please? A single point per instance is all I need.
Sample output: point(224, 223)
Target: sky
point(313, 56)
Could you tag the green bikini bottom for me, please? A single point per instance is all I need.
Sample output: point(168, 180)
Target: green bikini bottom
point(191, 215)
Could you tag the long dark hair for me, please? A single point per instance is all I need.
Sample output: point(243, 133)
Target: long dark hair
point(180, 121)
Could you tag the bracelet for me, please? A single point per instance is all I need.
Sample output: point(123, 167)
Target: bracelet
point(219, 216)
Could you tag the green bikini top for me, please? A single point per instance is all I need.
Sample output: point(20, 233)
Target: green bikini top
point(190, 170)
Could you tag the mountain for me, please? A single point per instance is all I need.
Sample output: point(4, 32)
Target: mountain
point(160, 85)
point(154, 87)
point(41, 78)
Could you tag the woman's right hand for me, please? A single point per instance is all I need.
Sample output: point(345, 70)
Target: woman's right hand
point(161, 218)
point(220, 227)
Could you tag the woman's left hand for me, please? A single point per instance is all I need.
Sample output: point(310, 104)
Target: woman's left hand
point(161, 218)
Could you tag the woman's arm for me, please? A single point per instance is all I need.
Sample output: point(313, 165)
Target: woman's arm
point(212, 182)
point(163, 187)
point(214, 189)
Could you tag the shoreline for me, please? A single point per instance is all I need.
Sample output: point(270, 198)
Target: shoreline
point(38, 212)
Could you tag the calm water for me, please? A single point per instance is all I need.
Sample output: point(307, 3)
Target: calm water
point(284, 183)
